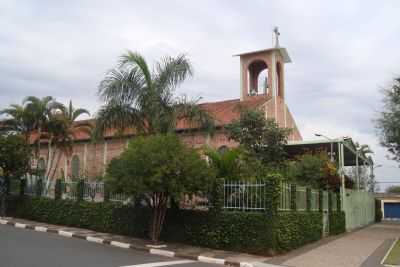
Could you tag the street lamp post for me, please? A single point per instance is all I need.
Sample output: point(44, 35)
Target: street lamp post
point(330, 140)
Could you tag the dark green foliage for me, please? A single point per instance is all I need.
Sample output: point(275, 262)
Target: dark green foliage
point(389, 120)
point(159, 167)
point(315, 170)
point(378, 211)
point(39, 187)
point(15, 154)
point(104, 217)
point(57, 190)
point(308, 195)
point(251, 232)
point(293, 197)
point(79, 190)
point(22, 183)
point(234, 164)
point(261, 137)
point(337, 222)
point(297, 228)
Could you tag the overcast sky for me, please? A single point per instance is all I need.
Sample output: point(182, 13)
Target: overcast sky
point(343, 53)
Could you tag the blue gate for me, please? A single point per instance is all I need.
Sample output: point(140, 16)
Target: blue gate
point(392, 209)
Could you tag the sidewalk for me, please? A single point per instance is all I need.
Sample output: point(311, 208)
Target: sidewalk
point(364, 247)
point(171, 250)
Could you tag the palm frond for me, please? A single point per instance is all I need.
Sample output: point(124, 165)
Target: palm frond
point(119, 116)
point(133, 60)
point(170, 72)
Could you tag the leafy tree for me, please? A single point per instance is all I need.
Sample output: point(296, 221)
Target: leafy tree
point(263, 138)
point(234, 164)
point(388, 122)
point(159, 167)
point(313, 170)
point(15, 154)
point(394, 189)
point(136, 97)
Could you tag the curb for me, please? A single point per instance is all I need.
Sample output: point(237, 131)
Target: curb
point(154, 251)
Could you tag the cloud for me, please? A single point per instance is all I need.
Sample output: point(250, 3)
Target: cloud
point(343, 52)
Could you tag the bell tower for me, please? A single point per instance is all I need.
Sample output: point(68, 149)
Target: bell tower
point(262, 71)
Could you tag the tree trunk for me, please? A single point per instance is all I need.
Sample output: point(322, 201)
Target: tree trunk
point(159, 204)
point(55, 167)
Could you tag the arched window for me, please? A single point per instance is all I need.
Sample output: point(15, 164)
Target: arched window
point(257, 78)
point(75, 167)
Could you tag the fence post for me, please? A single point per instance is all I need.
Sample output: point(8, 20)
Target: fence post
point(320, 200)
point(57, 190)
point(330, 202)
point(308, 196)
point(39, 187)
point(22, 184)
point(293, 197)
point(80, 189)
point(106, 192)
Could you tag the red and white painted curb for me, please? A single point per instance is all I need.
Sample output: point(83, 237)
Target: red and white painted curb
point(155, 251)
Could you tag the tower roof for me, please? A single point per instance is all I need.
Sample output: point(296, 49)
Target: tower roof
point(281, 50)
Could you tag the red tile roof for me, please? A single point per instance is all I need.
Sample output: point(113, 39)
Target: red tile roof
point(223, 112)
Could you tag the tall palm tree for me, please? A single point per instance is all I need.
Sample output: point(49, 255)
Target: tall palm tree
point(18, 120)
point(136, 97)
point(39, 109)
point(62, 130)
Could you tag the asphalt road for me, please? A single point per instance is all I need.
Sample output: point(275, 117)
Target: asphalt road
point(27, 248)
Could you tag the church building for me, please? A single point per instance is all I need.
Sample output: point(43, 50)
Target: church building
point(262, 87)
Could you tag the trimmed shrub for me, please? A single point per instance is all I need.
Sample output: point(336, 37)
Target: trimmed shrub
point(251, 232)
point(378, 210)
point(297, 228)
point(337, 222)
point(240, 231)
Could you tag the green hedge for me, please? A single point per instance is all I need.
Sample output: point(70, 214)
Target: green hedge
point(297, 228)
point(103, 217)
point(337, 222)
point(251, 232)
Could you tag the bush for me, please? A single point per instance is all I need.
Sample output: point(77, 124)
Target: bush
point(251, 232)
point(337, 222)
point(295, 229)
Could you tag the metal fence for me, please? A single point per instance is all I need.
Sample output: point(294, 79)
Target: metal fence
point(250, 196)
point(92, 191)
point(240, 195)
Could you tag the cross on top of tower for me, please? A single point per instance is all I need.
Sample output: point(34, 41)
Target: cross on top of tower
point(276, 34)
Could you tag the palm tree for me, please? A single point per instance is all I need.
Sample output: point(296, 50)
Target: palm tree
point(62, 130)
point(142, 99)
point(18, 120)
point(39, 109)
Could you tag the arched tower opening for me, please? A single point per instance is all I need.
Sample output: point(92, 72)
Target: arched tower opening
point(257, 73)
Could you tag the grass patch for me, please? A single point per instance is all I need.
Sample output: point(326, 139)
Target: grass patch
point(393, 257)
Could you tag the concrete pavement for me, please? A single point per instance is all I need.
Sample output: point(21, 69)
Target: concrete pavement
point(365, 247)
